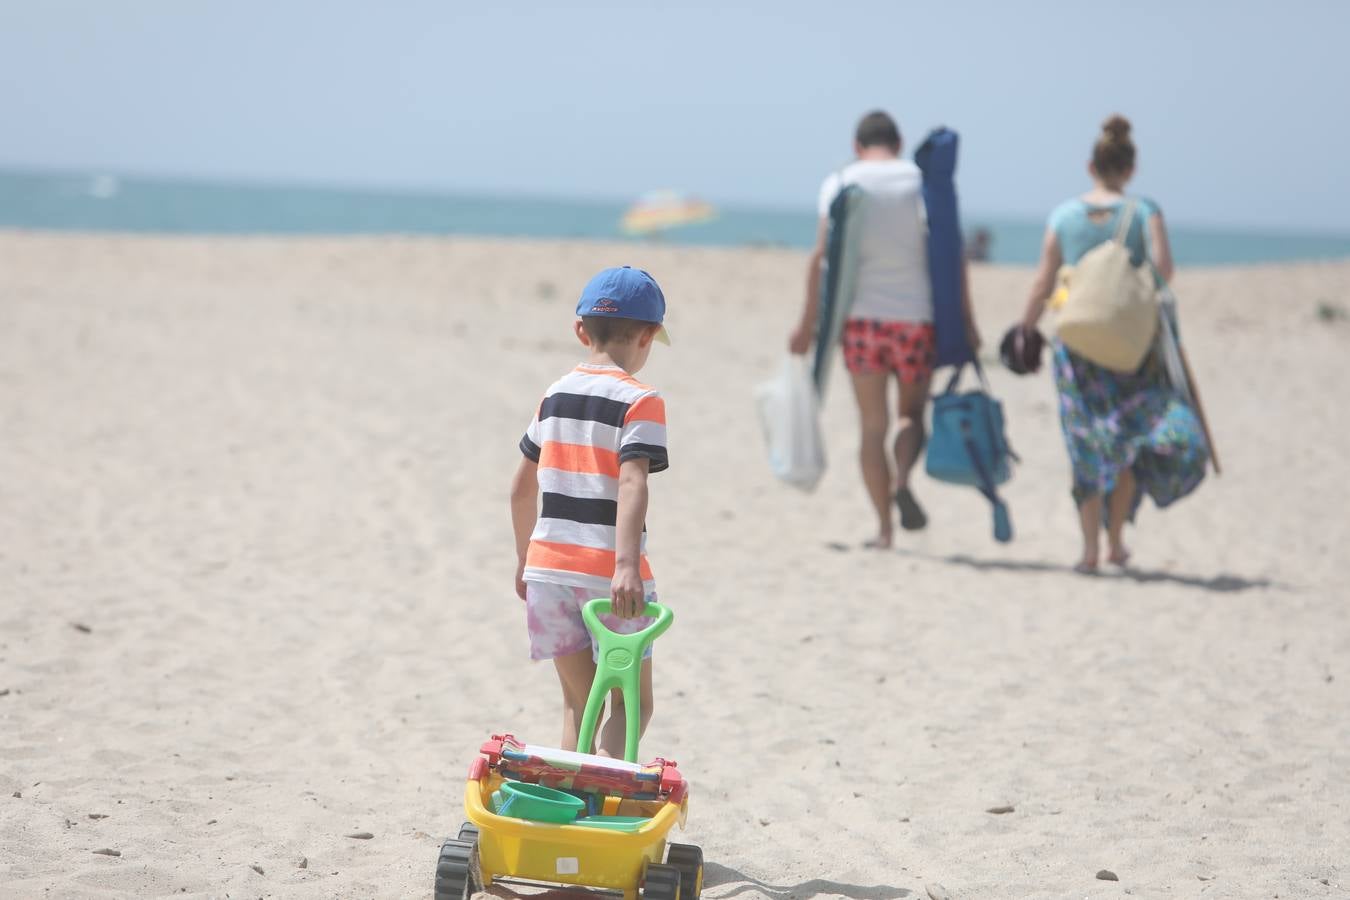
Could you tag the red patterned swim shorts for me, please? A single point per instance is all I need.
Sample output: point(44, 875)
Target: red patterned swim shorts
point(908, 349)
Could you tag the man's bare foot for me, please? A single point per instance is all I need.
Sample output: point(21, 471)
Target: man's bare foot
point(912, 516)
point(880, 542)
point(1119, 557)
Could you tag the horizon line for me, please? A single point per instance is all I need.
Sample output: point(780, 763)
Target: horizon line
point(973, 218)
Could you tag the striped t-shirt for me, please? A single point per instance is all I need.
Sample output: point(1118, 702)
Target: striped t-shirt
point(591, 420)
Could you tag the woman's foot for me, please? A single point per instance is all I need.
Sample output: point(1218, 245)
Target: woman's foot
point(880, 542)
point(1119, 556)
point(1086, 566)
point(912, 516)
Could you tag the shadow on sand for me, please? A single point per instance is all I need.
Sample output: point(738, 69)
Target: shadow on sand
point(1223, 584)
point(719, 883)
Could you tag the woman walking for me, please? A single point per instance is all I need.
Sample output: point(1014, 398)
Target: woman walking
point(1127, 434)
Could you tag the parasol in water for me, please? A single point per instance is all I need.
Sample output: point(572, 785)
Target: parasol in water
point(658, 211)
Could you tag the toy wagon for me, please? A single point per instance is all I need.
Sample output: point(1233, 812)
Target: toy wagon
point(542, 815)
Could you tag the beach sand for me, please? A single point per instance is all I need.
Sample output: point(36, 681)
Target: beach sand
point(255, 590)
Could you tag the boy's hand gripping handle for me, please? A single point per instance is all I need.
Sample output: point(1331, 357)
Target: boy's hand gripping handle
point(619, 666)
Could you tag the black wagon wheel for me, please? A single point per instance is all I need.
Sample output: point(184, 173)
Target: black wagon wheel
point(689, 860)
point(661, 883)
point(468, 832)
point(454, 870)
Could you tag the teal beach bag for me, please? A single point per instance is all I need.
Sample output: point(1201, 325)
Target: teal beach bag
point(967, 445)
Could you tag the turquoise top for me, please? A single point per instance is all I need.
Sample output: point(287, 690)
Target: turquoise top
point(1078, 234)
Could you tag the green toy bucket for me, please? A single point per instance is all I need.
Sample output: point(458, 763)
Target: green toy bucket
point(537, 803)
point(613, 823)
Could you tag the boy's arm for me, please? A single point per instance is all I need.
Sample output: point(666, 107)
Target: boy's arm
point(524, 513)
point(626, 590)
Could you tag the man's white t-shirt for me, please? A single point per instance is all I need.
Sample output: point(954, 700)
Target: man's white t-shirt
point(892, 251)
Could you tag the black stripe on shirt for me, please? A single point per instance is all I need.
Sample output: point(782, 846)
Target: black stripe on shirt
point(655, 452)
point(587, 511)
point(586, 407)
point(529, 448)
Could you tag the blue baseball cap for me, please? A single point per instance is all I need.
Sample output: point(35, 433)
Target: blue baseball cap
point(625, 293)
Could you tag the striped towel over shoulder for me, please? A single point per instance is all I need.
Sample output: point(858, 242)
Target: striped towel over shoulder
point(591, 420)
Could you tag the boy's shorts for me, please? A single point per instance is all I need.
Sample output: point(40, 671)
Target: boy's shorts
point(553, 617)
point(908, 349)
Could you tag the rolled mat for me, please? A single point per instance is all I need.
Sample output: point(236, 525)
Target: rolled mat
point(936, 158)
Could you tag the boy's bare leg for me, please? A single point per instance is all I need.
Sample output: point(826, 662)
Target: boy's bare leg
point(576, 672)
point(615, 730)
point(874, 419)
point(1122, 499)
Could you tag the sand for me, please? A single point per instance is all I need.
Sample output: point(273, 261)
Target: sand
point(255, 590)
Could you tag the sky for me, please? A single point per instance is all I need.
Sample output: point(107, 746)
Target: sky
point(1239, 107)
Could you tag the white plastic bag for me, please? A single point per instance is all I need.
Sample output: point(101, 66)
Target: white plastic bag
point(789, 413)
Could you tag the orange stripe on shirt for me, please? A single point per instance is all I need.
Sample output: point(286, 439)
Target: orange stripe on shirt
point(579, 458)
point(617, 376)
point(572, 558)
point(650, 408)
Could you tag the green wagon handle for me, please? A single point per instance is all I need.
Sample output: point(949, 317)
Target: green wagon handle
point(619, 665)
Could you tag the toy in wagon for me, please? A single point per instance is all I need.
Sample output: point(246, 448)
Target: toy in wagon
point(543, 815)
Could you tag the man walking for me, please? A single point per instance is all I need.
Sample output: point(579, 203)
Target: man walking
point(889, 332)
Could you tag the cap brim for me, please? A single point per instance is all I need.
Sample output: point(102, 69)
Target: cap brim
point(663, 336)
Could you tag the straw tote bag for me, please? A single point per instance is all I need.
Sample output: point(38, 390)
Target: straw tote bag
point(1110, 314)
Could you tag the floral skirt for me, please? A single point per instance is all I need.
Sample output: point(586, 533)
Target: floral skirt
point(1114, 422)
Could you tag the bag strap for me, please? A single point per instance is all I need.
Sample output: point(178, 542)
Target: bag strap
point(1002, 521)
point(979, 370)
point(1000, 438)
point(1126, 220)
point(1148, 256)
point(956, 376)
point(986, 485)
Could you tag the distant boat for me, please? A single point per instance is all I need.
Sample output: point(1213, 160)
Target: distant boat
point(658, 211)
point(102, 187)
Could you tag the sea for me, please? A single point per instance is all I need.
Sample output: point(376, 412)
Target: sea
point(67, 201)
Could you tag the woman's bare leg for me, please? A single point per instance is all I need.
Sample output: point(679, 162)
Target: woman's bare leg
point(1122, 499)
point(1090, 520)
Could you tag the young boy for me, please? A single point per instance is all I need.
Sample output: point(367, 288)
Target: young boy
point(597, 435)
